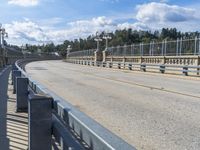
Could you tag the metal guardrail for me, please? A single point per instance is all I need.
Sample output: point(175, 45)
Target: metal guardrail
point(163, 68)
point(70, 127)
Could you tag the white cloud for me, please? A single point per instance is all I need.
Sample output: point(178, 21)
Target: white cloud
point(24, 3)
point(150, 16)
point(28, 31)
point(31, 32)
point(161, 12)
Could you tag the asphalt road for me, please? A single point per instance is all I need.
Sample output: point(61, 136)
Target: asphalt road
point(150, 111)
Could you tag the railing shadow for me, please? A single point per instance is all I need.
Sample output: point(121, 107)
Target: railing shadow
point(17, 124)
point(13, 126)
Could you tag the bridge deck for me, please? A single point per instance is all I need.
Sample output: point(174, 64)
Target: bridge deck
point(13, 126)
point(149, 111)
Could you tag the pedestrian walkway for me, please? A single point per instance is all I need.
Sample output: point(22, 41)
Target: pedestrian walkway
point(13, 126)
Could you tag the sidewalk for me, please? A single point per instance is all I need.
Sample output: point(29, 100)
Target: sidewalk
point(13, 126)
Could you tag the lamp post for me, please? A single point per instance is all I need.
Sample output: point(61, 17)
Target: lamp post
point(98, 40)
point(0, 33)
point(3, 35)
point(107, 37)
point(69, 48)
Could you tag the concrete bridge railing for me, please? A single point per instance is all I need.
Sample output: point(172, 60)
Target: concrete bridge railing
point(51, 117)
point(165, 57)
point(191, 70)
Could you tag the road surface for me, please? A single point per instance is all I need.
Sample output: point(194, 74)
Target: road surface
point(150, 111)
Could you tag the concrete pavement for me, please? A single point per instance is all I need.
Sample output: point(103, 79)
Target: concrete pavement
point(149, 111)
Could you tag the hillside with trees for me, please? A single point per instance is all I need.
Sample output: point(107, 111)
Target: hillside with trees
point(119, 37)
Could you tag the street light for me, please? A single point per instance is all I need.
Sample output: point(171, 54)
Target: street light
point(98, 40)
point(69, 48)
point(107, 37)
point(4, 35)
point(0, 33)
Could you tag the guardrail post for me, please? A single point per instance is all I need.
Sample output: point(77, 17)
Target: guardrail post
point(104, 64)
point(14, 68)
point(119, 65)
point(22, 94)
point(130, 66)
point(97, 64)
point(162, 68)
point(185, 70)
point(16, 73)
point(110, 65)
point(40, 122)
point(143, 67)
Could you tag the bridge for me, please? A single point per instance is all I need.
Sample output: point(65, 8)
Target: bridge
point(106, 100)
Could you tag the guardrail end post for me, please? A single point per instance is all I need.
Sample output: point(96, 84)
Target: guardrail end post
point(16, 73)
point(22, 94)
point(40, 122)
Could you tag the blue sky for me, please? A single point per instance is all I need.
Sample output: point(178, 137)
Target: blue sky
point(43, 21)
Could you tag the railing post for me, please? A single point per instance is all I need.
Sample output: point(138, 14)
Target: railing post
point(119, 65)
point(162, 68)
point(185, 70)
point(98, 56)
point(143, 67)
point(22, 94)
point(105, 53)
point(16, 73)
point(14, 68)
point(40, 122)
point(130, 66)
